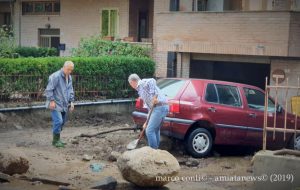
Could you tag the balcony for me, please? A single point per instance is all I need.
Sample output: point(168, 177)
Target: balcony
point(264, 33)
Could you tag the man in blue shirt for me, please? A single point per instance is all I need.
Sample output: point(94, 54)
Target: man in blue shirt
point(153, 99)
point(60, 95)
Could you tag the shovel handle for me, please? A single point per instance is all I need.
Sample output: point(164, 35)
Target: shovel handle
point(148, 118)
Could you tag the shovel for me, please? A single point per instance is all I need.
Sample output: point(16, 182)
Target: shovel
point(133, 144)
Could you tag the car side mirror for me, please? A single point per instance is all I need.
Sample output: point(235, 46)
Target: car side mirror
point(279, 109)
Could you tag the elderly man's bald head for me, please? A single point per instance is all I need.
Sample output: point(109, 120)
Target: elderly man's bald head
point(68, 67)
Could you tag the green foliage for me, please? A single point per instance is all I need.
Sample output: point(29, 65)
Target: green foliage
point(95, 46)
point(9, 49)
point(7, 42)
point(36, 52)
point(93, 76)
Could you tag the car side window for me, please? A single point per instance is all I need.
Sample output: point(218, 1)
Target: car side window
point(228, 95)
point(223, 94)
point(211, 94)
point(256, 100)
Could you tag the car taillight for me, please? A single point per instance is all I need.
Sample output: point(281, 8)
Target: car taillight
point(174, 107)
point(139, 103)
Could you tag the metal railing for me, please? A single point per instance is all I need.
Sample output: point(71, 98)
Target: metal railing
point(285, 129)
point(30, 88)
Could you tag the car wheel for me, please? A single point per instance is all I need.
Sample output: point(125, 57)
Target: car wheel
point(294, 143)
point(297, 143)
point(199, 143)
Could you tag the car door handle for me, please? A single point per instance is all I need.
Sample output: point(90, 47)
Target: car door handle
point(252, 115)
point(212, 109)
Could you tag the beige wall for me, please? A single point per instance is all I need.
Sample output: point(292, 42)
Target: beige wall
point(183, 65)
point(238, 33)
point(294, 36)
point(243, 34)
point(75, 21)
point(160, 57)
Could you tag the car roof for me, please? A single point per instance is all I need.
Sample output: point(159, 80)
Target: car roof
point(217, 82)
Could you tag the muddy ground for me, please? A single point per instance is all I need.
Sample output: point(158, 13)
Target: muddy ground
point(32, 137)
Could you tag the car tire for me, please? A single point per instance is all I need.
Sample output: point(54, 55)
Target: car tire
point(199, 143)
point(294, 143)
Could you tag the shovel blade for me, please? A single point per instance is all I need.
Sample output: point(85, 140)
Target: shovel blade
point(133, 144)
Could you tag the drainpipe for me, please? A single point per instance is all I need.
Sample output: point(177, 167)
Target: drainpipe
point(181, 70)
point(20, 15)
point(104, 102)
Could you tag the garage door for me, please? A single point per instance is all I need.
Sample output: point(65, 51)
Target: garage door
point(241, 72)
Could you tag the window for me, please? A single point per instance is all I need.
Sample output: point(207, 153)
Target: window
point(211, 94)
point(223, 94)
point(48, 7)
point(7, 19)
point(170, 87)
point(200, 5)
point(49, 38)
point(174, 5)
point(40, 7)
point(256, 100)
point(228, 95)
point(109, 22)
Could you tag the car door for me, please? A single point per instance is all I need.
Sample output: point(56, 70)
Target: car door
point(224, 107)
point(255, 104)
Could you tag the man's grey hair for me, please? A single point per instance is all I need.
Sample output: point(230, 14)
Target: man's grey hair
point(133, 77)
point(67, 63)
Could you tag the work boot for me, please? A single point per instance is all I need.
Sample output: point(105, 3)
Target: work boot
point(56, 141)
point(59, 140)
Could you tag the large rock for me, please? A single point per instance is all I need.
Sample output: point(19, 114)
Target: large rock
point(13, 163)
point(147, 167)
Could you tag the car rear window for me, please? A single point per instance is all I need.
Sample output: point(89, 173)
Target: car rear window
point(170, 87)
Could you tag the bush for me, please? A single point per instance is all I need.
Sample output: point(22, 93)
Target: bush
point(95, 46)
point(7, 43)
point(9, 49)
point(36, 52)
point(93, 77)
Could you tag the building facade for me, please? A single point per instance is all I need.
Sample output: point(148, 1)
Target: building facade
point(234, 40)
point(62, 23)
point(241, 41)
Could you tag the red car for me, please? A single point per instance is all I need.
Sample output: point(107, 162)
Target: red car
point(207, 112)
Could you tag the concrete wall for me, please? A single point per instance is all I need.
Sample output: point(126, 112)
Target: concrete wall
point(42, 117)
point(292, 72)
point(276, 170)
point(77, 19)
